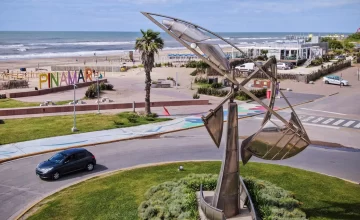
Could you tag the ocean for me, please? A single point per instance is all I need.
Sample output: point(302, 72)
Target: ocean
point(28, 45)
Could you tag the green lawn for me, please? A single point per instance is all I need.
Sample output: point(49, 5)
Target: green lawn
point(12, 103)
point(118, 196)
point(24, 129)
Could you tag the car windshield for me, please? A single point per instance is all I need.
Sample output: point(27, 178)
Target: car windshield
point(57, 158)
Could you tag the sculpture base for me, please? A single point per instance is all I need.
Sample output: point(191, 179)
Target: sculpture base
point(208, 195)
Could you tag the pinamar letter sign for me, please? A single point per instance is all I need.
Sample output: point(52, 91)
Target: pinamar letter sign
point(63, 79)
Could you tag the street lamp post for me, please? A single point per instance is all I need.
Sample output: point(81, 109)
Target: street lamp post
point(98, 93)
point(74, 129)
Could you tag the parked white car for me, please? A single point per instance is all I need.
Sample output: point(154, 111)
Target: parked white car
point(283, 66)
point(335, 80)
point(248, 67)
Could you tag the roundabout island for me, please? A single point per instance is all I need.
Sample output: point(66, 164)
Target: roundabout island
point(126, 194)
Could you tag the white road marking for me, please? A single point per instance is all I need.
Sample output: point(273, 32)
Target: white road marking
point(324, 126)
point(316, 125)
point(309, 118)
point(348, 123)
point(317, 120)
point(336, 113)
point(338, 122)
point(357, 126)
point(328, 121)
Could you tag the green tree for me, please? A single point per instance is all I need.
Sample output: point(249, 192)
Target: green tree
point(354, 37)
point(348, 45)
point(333, 44)
point(148, 45)
point(264, 54)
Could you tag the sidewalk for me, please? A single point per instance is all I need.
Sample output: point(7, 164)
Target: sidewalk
point(91, 138)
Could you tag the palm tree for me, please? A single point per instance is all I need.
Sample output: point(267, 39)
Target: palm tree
point(148, 45)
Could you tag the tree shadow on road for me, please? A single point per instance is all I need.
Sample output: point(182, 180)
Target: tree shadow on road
point(335, 210)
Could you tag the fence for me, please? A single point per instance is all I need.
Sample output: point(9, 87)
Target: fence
point(96, 68)
point(327, 70)
point(14, 84)
point(306, 78)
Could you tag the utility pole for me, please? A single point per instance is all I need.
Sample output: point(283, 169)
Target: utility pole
point(74, 129)
point(98, 93)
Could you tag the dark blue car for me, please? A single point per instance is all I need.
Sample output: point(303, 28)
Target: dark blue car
point(66, 161)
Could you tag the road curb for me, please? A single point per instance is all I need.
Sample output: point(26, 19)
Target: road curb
point(131, 138)
point(26, 209)
point(29, 207)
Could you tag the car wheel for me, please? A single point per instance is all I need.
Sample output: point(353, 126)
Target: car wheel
point(326, 82)
point(90, 167)
point(56, 176)
point(341, 84)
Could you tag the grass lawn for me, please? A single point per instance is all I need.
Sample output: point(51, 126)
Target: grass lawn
point(24, 129)
point(118, 196)
point(12, 103)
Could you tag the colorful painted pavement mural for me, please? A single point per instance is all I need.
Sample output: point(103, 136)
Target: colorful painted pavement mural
point(243, 111)
point(27, 147)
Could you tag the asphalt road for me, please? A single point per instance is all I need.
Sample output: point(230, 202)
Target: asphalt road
point(346, 103)
point(19, 185)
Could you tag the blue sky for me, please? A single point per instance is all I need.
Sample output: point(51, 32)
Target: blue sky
point(217, 15)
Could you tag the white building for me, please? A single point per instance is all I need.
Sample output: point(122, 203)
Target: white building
point(286, 51)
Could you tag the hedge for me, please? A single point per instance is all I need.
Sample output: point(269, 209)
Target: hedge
point(177, 199)
point(240, 95)
point(272, 202)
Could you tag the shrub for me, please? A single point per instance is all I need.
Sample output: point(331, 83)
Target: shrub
point(123, 69)
point(131, 117)
point(134, 67)
point(105, 86)
point(196, 96)
point(216, 85)
point(140, 65)
point(170, 78)
point(177, 199)
point(91, 92)
point(262, 58)
point(317, 62)
point(154, 82)
point(193, 73)
point(236, 62)
point(201, 80)
point(239, 95)
point(272, 202)
point(152, 115)
point(197, 64)
point(109, 86)
point(102, 86)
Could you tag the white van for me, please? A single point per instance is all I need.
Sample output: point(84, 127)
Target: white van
point(283, 66)
point(248, 67)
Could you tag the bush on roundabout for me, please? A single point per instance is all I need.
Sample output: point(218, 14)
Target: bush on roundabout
point(177, 199)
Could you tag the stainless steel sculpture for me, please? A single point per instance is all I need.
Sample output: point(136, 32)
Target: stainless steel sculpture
point(273, 141)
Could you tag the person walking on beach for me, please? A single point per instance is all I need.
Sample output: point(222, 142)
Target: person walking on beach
point(94, 72)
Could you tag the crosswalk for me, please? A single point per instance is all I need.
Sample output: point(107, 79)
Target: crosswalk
point(337, 122)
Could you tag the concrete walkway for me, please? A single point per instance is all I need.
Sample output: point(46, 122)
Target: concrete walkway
point(90, 138)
